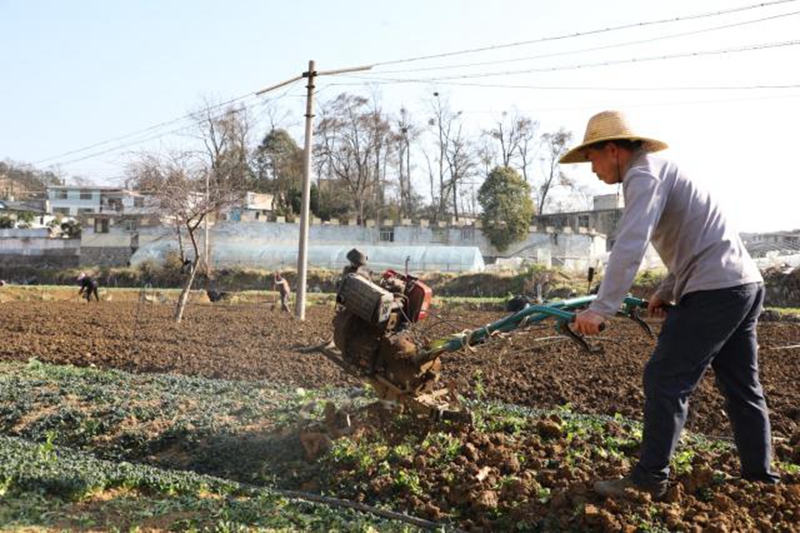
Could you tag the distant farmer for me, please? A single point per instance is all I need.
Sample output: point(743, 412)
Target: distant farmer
point(715, 289)
point(88, 287)
point(282, 286)
point(186, 266)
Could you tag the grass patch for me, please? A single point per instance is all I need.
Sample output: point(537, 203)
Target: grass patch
point(71, 490)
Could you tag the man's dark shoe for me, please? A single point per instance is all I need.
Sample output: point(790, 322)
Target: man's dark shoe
point(769, 479)
point(615, 488)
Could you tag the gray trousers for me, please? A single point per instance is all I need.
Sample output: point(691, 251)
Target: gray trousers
point(716, 328)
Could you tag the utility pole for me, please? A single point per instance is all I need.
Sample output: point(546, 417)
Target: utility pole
point(302, 255)
point(205, 227)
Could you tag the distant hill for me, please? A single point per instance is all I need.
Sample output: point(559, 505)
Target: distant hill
point(19, 181)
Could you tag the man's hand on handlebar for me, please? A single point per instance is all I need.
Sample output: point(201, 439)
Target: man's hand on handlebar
point(656, 307)
point(588, 322)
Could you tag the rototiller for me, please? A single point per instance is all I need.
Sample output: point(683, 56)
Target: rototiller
point(374, 338)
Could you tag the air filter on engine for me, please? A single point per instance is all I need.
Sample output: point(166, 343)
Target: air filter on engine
point(365, 299)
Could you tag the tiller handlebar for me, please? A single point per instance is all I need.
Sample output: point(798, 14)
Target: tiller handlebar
point(562, 311)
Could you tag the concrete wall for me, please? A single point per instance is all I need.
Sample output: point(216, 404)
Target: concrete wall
point(574, 250)
point(105, 255)
point(107, 249)
point(37, 233)
point(36, 250)
point(113, 239)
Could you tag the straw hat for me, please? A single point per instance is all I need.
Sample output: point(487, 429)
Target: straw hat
point(610, 126)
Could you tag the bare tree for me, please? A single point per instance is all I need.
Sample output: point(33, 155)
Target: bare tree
point(554, 146)
point(179, 182)
point(460, 163)
point(352, 146)
point(514, 135)
point(406, 134)
point(527, 149)
point(225, 137)
point(455, 157)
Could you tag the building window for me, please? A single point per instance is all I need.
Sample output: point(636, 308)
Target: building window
point(86, 195)
point(131, 225)
point(468, 233)
point(84, 211)
point(387, 233)
point(138, 202)
point(583, 221)
point(61, 211)
point(61, 195)
point(101, 225)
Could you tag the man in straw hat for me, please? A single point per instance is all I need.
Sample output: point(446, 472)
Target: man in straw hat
point(717, 292)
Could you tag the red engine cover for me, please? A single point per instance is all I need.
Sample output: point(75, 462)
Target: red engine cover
point(419, 300)
point(418, 295)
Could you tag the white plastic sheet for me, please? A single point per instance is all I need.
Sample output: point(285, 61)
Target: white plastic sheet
point(333, 256)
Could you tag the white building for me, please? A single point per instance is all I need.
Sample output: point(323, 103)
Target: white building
point(78, 201)
point(251, 207)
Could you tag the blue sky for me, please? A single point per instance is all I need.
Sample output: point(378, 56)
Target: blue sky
point(80, 73)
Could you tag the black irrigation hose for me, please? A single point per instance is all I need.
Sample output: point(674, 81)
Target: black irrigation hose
point(364, 508)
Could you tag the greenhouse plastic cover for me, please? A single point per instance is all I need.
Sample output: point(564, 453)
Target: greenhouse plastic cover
point(332, 256)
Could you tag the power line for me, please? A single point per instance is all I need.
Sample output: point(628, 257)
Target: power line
point(139, 132)
point(583, 34)
point(592, 49)
point(158, 135)
point(645, 104)
point(587, 87)
point(750, 48)
point(462, 52)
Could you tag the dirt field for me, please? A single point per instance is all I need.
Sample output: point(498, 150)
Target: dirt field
point(533, 367)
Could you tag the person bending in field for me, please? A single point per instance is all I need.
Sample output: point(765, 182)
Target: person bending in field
point(88, 287)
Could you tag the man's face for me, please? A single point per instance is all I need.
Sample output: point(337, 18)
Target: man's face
point(605, 162)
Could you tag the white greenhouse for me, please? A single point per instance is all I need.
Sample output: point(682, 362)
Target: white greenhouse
point(332, 256)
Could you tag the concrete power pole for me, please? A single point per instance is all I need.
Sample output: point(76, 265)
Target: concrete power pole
point(206, 265)
point(302, 256)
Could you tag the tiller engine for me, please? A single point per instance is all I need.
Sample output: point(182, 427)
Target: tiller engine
point(372, 332)
point(374, 339)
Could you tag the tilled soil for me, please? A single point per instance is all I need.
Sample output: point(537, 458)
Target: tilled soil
point(534, 367)
point(541, 480)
